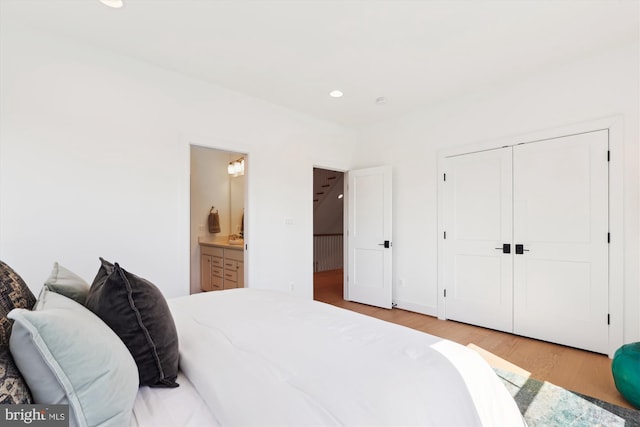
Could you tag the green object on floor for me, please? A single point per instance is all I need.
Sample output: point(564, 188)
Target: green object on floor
point(626, 372)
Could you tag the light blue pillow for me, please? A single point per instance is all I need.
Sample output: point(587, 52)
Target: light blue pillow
point(67, 355)
point(65, 282)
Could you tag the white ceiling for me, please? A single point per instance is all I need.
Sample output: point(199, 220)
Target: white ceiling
point(292, 53)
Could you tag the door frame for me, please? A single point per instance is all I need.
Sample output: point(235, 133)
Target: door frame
point(187, 141)
point(614, 125)
point(345, 225)
point(345, 222)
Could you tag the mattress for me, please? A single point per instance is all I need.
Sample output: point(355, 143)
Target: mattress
point(263, 358)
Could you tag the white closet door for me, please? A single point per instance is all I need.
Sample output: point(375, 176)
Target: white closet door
point(561, 219)
point(478, 204)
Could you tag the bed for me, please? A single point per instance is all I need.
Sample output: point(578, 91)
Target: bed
point(246, 358)
point(267, 358)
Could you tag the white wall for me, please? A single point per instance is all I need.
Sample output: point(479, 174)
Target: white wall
point(598, 86)
point(94, 161)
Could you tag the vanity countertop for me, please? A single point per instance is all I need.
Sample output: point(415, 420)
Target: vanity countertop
point(221, 244)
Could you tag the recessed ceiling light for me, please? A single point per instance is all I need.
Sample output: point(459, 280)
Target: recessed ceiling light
point(117, 4)
point(336, 93)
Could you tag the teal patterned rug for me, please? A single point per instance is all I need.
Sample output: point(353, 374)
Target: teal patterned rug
point(545, 404)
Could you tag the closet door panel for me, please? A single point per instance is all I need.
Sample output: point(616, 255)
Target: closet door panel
point(478, 275)
point(560, 216)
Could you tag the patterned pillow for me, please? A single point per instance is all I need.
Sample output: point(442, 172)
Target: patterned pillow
point(13, 388)
point(14, 293)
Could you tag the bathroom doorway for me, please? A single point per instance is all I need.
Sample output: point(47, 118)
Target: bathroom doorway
point(217, 202)
point(328, 235)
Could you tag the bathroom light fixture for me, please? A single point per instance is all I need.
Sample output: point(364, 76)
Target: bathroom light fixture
point(236, 167)
point(116, 4)
point(336, 93)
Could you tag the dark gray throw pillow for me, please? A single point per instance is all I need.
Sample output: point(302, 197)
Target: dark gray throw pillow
point(13, 388)
point(14, 293)
point(138, 313)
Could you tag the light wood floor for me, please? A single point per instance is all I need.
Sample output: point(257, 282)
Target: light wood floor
point(582, 371)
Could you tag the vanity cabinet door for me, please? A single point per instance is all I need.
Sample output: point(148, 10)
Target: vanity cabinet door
point(205, 272)
point(240, 274)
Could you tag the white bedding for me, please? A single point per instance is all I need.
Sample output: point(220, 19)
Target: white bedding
point(171, 407)
point(261, 358)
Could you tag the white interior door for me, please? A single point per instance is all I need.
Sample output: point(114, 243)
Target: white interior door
point(561, 221)
point(369, 237)
point(478, 268)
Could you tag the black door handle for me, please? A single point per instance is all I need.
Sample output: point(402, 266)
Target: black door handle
point(520, 249)
point(506, 248)
point(386, 244)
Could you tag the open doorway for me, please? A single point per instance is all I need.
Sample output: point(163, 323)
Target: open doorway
point(328, 235)
point(217, 202)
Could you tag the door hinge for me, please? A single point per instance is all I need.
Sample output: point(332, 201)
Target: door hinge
point(608, 237)
point(445, 293)
point(445, 234)
point(445, 176)
point(608, 155)
point(608, 319)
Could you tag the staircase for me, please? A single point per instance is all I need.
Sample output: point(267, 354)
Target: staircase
point(327, 220)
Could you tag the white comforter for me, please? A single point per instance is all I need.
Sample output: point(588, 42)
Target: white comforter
point(261, 358)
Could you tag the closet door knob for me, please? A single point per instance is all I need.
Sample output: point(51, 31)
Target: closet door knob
point(506, 248)
point(520, 249)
